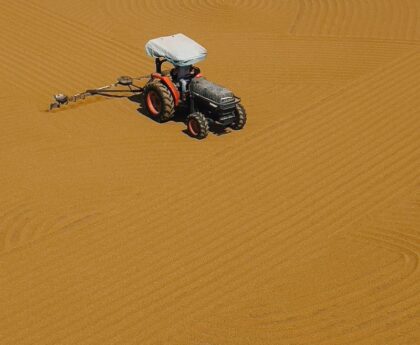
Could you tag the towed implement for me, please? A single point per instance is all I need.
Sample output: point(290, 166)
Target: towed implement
point(182, 88)
point(62, 99)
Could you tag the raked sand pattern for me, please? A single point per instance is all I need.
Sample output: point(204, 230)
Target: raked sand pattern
point(304, 228)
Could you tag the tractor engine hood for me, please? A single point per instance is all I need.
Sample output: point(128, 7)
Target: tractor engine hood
point(203, 88)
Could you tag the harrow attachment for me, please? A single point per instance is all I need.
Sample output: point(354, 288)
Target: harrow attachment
point(111, 90)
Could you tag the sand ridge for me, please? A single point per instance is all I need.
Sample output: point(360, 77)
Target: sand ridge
point(301, 229)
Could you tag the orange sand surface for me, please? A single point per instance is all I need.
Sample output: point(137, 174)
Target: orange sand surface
point(304, 228)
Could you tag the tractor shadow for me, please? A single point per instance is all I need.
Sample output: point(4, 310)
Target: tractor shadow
point(179, 117)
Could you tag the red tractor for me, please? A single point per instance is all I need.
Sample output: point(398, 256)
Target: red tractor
point(181, 88)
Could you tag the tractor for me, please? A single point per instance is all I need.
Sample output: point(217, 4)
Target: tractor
point(181, 89)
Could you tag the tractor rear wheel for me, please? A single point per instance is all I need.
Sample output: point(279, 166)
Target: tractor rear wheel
point(240, 118)
point(159, 101)
point(197, 125)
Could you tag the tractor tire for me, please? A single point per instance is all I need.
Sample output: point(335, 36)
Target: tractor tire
point(197, 125)
point(240, 118)
point(159, 101)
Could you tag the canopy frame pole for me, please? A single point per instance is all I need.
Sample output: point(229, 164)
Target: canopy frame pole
point(158, 63)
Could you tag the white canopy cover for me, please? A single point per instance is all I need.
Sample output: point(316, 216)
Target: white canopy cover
point(178, 49)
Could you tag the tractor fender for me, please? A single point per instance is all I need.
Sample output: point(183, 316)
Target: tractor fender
point(169, 84)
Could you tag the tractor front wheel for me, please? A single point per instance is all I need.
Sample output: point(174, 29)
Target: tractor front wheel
point(159, 101)
point(240, 118)
point(197, 125)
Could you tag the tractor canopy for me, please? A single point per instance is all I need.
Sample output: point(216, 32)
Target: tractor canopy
point(178, 49)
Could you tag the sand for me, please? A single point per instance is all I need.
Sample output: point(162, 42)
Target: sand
point(304, 228)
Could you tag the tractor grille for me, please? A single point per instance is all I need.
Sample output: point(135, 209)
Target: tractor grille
point(226, 118)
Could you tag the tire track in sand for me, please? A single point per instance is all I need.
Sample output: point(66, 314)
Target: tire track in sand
point(213, 296)
point(260, 256)
point(103, 239)
point(385, 19)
